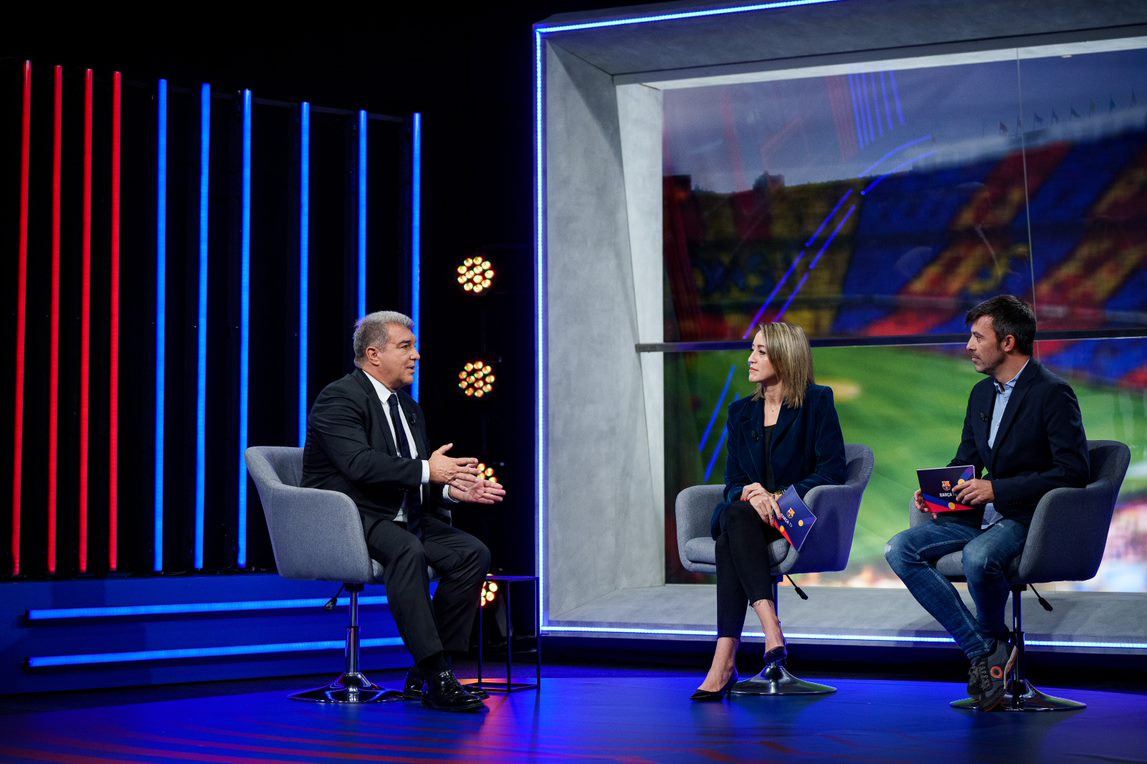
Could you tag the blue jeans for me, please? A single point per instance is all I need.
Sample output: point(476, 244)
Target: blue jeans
point(912, 554)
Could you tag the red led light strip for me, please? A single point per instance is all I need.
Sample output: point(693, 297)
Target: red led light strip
point(54, 342)
point(86, 323)
point(113, 363)
point(21, 311)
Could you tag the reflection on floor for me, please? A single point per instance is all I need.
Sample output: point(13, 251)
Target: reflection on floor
point(587, 714)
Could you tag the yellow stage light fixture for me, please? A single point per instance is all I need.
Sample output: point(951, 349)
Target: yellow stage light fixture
point(489, 591)
point(486, 473)
point(475, 274)
point(476, 379)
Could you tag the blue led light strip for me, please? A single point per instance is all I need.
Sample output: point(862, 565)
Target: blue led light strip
point(416, 231)
point(880, 161)
point(160, 315)
point(189, 608)
point(679, 16)
point(304, 263)
point(896, 169)
point(539, 323)
point(717, 408)
point(201, 394)
point(361, 213)
point(717, 451)
point(136, 656)
point(244, 330)
point(827, 637)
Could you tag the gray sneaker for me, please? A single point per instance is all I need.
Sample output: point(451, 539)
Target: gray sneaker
point(993, 672)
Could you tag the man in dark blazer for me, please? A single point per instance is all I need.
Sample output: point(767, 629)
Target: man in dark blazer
point(366, 437)
point(1023, 434)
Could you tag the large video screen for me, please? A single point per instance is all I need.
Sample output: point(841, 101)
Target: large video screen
point(878, 206)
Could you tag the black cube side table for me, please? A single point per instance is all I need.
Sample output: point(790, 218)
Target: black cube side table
point(508, 684)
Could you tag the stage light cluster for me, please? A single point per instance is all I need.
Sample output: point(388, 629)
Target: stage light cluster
point(476, 379)
point(489, 591)
point(475, 274)
point(486, 473)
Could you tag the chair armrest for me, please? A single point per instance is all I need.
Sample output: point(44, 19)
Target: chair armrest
point(1067, 534)
point(694, 510)
point(318, 534)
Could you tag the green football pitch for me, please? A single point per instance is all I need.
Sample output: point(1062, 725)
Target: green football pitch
point(906, 404)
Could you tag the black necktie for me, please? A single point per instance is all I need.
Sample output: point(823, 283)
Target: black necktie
point(413, 504)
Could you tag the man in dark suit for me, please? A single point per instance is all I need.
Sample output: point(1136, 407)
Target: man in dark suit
point(366, 437)
point(1023, 432)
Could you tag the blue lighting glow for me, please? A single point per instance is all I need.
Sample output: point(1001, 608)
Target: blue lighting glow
point(893, 638)
point(895, 169)
point(828, 217)
point(362, 213)
point(880, 161)
point(679, 16)
point(540, 321)
point(784, 308)
point(717, 408)
point(856, 110)
point(717, 451)
point(768, 300)
point(896, 96)
point(304, 263)
point(190, 608)
point(244, 329)
point(884, 92)
point(416, 232)
point(160, 315)
point(201, 390)
point(827, 243)
point(136, 656)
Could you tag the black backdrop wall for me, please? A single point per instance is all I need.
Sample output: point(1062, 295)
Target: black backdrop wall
point(470, 76)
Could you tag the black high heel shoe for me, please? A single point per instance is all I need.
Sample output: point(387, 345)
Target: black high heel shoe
point(709, 696)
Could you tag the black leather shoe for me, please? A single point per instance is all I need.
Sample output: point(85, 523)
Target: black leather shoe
point(709, 696)
point(412, 687)
point(443, 692)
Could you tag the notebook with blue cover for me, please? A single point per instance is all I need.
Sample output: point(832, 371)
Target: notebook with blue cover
point(941, 484)
point(796, 519)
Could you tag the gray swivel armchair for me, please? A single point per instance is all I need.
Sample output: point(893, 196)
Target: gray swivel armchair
point(826, 549)
point(317, 535)
point(1065, 542)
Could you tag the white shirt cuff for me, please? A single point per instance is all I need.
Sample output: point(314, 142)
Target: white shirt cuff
point(425, 472)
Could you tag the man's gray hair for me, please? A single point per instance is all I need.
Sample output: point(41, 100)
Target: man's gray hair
point(371, 330)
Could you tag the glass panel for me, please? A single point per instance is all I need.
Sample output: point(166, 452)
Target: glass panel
point(1087, 138)
point(869, 204)
point(907, 404)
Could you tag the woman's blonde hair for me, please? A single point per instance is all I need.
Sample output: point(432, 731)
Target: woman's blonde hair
point(787, 348)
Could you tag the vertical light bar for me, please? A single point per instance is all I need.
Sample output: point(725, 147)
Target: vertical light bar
point(54, 340)
point(304, 263)
point(362, 213)
point(160, 315)
point(85, 323)
point(539, 321)
point(416, 232)
point(21, 319)
point(244, 328)
point(201, 390)
point(113, 346)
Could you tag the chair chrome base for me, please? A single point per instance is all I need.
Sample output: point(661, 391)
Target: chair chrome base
point(350, 688)
point(776, 680)
point(1027, 699)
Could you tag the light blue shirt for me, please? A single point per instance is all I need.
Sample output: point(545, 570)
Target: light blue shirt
point(1003, 395)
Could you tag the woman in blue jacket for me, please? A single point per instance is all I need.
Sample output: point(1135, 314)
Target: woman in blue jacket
point(786, 434)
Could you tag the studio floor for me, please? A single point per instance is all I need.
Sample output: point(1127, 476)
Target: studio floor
point(580, 714)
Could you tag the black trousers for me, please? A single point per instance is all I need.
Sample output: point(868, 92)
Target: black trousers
point(743, 564)
point(460, 560)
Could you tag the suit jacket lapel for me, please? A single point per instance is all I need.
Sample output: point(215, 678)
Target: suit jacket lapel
point(1013, 408)
point(380, 433)
point(753, 431)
